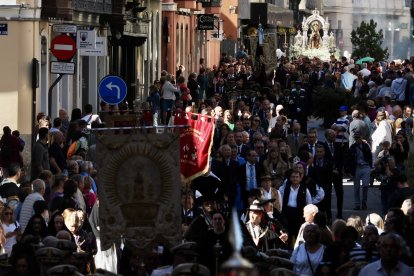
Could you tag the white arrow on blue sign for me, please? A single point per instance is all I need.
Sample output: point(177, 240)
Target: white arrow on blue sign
point(112, 89)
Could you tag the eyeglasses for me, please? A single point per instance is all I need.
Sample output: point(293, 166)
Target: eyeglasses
point(8, 214)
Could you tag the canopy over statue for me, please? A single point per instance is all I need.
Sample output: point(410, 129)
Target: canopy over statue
point(315, 40)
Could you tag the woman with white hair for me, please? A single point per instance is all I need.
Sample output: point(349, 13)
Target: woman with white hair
point(309, 212)
point(375, 220)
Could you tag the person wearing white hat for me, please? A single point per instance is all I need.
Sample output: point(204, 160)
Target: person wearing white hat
point(255, 224)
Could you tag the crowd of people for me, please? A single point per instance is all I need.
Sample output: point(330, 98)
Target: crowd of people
point(266, 163)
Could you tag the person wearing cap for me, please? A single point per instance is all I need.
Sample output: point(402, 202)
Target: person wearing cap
point(252, 195)
point(347, 79)
point(259, 234)
point(270, 193)
point(341, 126)
point(185, 252)
point(360, 164)
point(275, 222)
point(207, 201)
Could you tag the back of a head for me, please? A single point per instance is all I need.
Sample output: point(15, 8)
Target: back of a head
point(85, 166)
point(355, 114)
point(57, 122)
point(43, 133)
point(45, 175)
point(310, 209)
point(7, 130)
point(349, 233)
point(375, 220)
point(13, 169)
point(70, 187)
point(38, 185)
point(320, 220)
point(88, 108)
point(39, 206)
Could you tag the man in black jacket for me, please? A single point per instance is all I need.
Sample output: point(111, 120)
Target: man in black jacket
point(335, 152)
point(360, 163)
point(292, 207)
point(9, 189)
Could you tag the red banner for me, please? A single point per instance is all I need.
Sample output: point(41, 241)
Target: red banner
point(195, 143)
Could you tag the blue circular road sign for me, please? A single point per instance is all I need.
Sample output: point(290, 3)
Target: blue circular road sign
point(112, 89)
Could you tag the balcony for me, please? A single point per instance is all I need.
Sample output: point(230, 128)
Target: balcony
point(211, 6)
point(188, 4)
point(211, 3)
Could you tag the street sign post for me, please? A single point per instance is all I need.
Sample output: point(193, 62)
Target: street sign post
point(112, 89)
point(63, 47)
point(58, 67)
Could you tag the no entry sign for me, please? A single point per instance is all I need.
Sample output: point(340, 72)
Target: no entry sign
point(63, 47)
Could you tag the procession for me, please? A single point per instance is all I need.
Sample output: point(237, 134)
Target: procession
point(204, 138)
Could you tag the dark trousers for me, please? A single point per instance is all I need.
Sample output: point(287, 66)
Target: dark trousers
point(325, 205)
point(294, 218)
point(339, 191)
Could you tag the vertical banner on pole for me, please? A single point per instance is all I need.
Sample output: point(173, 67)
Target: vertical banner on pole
point(196, 142)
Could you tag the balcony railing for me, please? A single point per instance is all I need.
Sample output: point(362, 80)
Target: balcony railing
point(94, 6)
point(211, 3)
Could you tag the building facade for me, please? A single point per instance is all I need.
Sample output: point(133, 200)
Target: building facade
point(129, 33)
point(393, 17)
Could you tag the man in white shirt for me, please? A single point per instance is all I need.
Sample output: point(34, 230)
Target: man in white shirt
point(27, 208)
point(294, 198)
point(89, 116)
point(365, 72)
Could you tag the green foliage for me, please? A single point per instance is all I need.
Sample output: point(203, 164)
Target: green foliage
point(367, 42)
point(326, 103)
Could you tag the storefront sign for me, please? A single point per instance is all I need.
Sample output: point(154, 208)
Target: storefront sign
point(99, 51)
point(205, 22)
point(86, 39)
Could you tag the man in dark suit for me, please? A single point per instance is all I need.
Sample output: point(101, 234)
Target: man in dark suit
point(335, 151)
point(242, 148)
point(295, 139)
point(226, 170)
point(221, 87)
point(322, 175)
point(312, 139)
point(249, 175)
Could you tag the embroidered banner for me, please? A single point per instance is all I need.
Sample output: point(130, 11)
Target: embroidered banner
point(139, 189)
point(195, 143)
